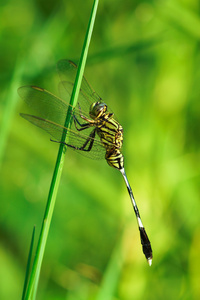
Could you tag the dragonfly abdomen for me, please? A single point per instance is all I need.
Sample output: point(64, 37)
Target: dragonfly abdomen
point(115, 158)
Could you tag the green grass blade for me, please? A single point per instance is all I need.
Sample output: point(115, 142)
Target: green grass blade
point(112, 273)
point(34, 277)
point(10, 103)
point(28, 265)
point(20, 68)
point(120, 51)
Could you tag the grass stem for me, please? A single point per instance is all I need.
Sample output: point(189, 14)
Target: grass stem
point(35, 272)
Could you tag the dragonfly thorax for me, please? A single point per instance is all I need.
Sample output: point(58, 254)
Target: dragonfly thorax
point(97, 109)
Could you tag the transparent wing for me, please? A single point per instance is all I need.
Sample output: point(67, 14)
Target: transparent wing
point(49, 106)
point(65, 89)
point(74, 138)
point(67, 71)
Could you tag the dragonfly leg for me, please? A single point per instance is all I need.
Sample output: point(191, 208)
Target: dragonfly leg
point(90, 141)
point(83, 126)
point(84, 117)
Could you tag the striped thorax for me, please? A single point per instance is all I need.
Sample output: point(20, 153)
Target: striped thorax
point(110, 133)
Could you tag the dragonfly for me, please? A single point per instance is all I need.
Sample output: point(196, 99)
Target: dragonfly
point(94, 130)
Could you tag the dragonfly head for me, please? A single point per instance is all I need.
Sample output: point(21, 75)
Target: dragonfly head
point(97, 109)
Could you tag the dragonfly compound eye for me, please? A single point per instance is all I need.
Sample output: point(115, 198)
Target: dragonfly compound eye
point(97, 109)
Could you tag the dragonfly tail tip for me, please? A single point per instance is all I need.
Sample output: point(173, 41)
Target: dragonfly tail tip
point(149, 260)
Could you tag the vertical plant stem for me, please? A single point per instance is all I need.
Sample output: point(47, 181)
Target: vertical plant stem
point(28, 267)
point(34, 277)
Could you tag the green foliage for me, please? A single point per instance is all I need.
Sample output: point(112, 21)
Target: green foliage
point(144, 62)
point(28, 267)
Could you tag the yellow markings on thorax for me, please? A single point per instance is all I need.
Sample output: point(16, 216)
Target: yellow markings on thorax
point(111, 135)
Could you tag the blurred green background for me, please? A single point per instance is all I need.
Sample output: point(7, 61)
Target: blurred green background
point(144, 61)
